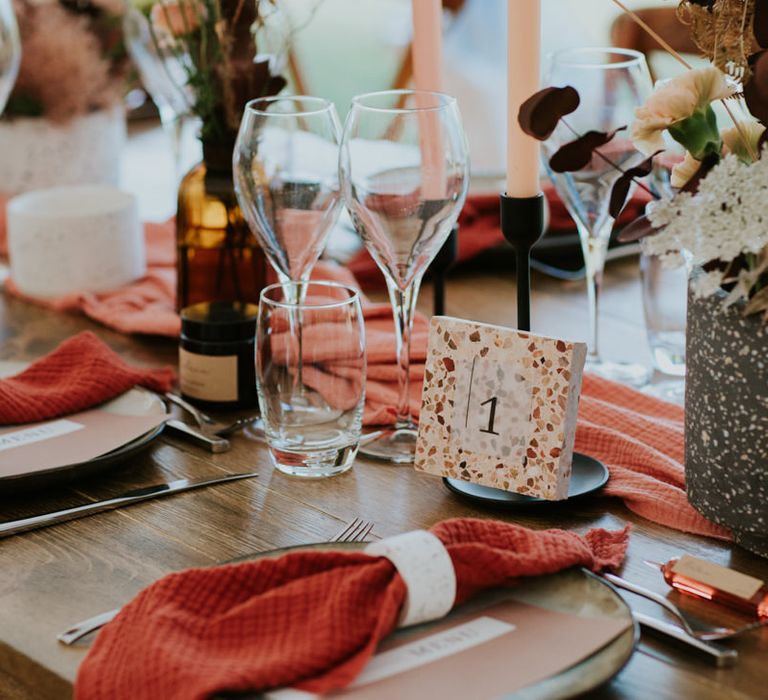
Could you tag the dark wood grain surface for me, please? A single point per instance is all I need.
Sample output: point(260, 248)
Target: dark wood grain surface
point(52, 578)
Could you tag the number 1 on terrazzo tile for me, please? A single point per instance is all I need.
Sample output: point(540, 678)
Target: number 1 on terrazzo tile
point(499, 407)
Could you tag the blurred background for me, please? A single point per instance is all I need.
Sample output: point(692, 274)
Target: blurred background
point(342, 48)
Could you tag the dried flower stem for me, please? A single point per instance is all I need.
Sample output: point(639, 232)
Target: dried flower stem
point(665, 45)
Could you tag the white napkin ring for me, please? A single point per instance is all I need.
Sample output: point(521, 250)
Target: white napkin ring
point(427, 570)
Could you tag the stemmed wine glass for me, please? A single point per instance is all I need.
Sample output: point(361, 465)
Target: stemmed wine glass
point(285, 166)
point(10, 51)
point(612, 83)
point(404, 169)
point(163, 75)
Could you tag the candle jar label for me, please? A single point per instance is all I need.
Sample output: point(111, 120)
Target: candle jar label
point(208, 377)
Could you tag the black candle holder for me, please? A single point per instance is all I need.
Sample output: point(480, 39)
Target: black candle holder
point(444, 261)
point(522, 223)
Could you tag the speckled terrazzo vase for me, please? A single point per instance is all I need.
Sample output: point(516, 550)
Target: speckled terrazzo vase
point(726, 419)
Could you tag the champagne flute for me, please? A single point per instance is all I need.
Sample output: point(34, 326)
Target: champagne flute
point(10, 51)
point(612, 83)
point(285, 166)
point(404, 170)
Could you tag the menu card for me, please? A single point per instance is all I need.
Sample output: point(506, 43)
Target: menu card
point(481, 655)
point(76, 438)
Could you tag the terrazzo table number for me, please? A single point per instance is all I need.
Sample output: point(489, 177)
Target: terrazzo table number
point(499, 407)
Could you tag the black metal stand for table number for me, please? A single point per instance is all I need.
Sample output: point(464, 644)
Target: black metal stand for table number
point(522, 223)
point(443, 262)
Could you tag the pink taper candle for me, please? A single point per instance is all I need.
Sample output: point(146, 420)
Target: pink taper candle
point(523, 67)
point(427, 44)
point(427, 54)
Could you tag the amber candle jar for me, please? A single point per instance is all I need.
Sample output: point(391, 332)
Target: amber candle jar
point(219, 258)
point(217, 355)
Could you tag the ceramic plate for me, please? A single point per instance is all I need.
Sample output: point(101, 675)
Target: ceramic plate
point(575, 591)
point(136, 402)
point(588, 476)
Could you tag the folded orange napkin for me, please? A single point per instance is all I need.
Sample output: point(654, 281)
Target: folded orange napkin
point(479, 230)
point(641, 441)
point(82, 372)
point(309, 619)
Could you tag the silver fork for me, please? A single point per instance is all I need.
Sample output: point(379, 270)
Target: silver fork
point(695, 628)
point(208, 424)
point(356, 530)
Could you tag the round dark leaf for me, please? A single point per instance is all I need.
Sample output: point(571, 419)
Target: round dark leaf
point(756, 90)
point(540, 113)
point(760, 23)
point(620, 189)
point(577, 154)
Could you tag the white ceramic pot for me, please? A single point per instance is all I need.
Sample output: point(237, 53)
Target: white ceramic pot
point(36, 153)
point(86, 238)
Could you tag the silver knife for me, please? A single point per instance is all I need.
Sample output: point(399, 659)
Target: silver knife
point(720, 654)
point(14, 527)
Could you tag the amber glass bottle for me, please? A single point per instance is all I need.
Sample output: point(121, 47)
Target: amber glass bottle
point(219, 258)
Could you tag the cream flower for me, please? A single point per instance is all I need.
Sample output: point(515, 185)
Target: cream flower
point(674, 101)
point(177, 17)
point(734, 143)
point(684, 171)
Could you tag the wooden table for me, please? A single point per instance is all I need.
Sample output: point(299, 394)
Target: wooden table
point(54, 577)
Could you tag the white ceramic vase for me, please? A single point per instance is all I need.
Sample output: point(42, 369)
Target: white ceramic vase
point(36, 153)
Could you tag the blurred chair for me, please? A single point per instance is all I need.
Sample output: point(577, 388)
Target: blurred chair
point(405, 69)
point(627, 34)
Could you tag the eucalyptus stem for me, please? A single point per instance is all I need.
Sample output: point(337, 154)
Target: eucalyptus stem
point(610, 162)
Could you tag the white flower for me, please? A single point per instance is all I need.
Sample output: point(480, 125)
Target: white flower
point(706, 284)
point(726, 218)
point(674, 101)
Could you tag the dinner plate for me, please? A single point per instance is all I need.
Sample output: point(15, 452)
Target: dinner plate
point(575, 591)
point(135, 402)
point(587, 476)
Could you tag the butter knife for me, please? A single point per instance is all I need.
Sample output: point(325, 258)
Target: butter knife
point(721, 655)
point(14, 527)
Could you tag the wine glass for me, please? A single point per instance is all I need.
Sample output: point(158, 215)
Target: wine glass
point(285, 166)
point(10, 51)
point(164, 76)
point(612, 83)
point(404, 168)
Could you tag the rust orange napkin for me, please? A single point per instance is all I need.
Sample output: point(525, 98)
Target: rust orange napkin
point(479, 230)
point(641, 441)
point(309, 619)
point(82, 372)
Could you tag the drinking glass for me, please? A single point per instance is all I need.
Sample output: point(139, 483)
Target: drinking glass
point(665, 292)
point(285, 166)
point(312, 425)
point(10, 51)
point(612, 83)
point(404, 170)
